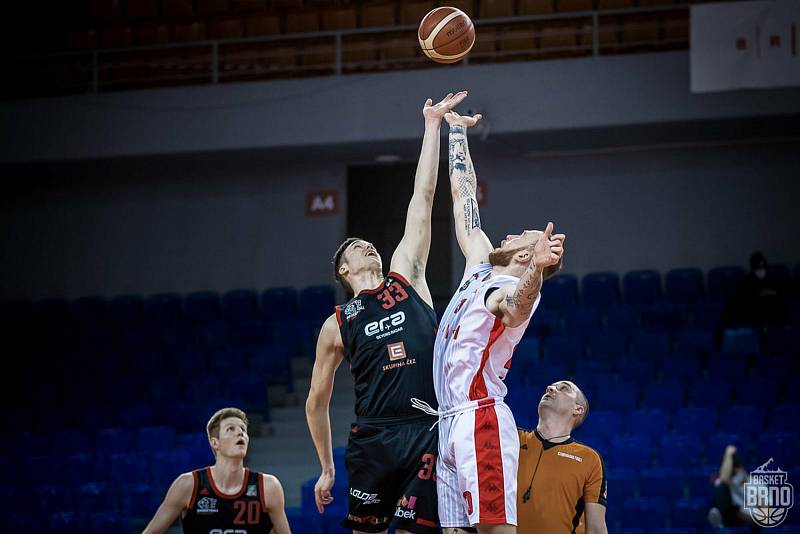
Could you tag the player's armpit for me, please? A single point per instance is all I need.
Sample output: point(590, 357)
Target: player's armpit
point(175, 502)
point(595, 518)
point(273, 494)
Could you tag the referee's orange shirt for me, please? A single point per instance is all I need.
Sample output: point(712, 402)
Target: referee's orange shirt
point(554, 482)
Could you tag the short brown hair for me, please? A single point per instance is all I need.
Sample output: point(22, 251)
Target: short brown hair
point(337, 262)
point(212, 428)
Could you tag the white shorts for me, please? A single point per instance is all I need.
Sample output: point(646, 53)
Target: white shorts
point(476, 473)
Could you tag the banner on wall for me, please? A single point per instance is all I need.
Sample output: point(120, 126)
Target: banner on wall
point(745, 45)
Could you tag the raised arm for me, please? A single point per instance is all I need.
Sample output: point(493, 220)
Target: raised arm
point(411, 256)
point(463, 186)
point(514, 303)
point(330, 352)
point(176, 501)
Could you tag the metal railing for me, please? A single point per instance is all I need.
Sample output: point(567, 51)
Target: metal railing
point(574, 34)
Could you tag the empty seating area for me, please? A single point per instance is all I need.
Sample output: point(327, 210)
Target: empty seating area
point(156, 43)
point(112, 395)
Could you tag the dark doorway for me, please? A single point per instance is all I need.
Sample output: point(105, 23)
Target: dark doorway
point(377, 201)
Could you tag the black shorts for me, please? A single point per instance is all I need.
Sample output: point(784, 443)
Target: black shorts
point(392, 476)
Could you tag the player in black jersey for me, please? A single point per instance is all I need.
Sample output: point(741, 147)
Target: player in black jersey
point(226, 497)
point(386, 333)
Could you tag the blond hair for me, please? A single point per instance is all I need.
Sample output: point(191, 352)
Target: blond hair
point(212, 428)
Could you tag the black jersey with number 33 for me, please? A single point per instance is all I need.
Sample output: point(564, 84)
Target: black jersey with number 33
point(388, 335)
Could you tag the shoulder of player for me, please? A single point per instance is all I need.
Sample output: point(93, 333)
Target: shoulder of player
point(329, 334)
point(183, 486)
point(271, 485)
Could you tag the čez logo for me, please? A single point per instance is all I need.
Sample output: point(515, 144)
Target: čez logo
point(227, 531)
point(386, 323)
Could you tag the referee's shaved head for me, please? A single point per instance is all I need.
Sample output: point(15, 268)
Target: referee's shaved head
point(581, 400)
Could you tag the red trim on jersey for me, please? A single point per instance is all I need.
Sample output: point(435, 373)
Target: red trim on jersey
point(196, 478)
point(399, 277)
point(455, 332)
point(491, 483)
point(477, 389)
point(262, 492)
point(339, 315)
point(427, 523)
point(225, 495)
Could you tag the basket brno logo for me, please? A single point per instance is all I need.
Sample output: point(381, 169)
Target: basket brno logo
point(768, 495)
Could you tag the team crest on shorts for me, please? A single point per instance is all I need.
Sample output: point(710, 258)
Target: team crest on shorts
point(768, 496)
point(353, 309)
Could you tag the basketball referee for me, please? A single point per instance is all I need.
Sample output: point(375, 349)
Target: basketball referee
point(561, 483)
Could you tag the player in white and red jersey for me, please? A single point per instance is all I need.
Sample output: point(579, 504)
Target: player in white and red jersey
point(478, 440)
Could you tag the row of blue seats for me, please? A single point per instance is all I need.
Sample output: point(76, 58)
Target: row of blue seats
point(278, 304)
point(644, 287)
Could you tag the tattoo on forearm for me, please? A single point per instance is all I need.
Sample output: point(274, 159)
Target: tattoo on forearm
point(463, 175)
point(527, 289)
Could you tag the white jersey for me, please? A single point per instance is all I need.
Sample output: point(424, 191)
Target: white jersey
point(473, 349)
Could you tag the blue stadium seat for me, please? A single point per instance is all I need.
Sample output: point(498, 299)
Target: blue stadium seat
point(527, 353)
point(16, 520)
point(784, 417)
point(642, 288)
point(633, 452)
point(164, 308)
point(279, 304)
point(710, 393)
point(694, 340)
point(691, 512)
point(563, 346)
point(249, 392)
point(683, 367)
point(636, 369)
point(112, 440)
point(784, 447)
point(684, 286)
point(126, 309)
point(67, 523)
point(202, 387)
point(782, 341)
point(600, 290)
point(72, 441)
point(707, 315)
point(579, 319)
point(139, 499)
point(167, 465)
point(304, 521)
point(723, 281)
point(759, 392)
point(617, 396)
point(196, 445)
point(742, 341)
point(680, 450)
point(562, 291)
point(664, 395)
point(272, 363)
point(94, 496)
point(624, 318)
point(645, 513)
point(651, 342)
point(601, 343)
point(728, 367)
point(700, 420)
point(664, 482)
point(700, 480)
point(42, 470)
point(127, 467)
point(675, 530)
point(154, 439)
point(652, 423)
point(602, 424)
point(203, 307)
point(545, 322)
point(716, 443)
point(624, 481)
point(240, 305)
point(317, 302)
point(109, 523)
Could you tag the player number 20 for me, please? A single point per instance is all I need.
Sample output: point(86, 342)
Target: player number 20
point(251, 508)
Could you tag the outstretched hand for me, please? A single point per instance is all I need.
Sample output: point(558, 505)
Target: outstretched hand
point(435, 112)
point(549, 248)
point(454, 119)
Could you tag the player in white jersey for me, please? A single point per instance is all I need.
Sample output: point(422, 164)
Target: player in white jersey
point(478, 440)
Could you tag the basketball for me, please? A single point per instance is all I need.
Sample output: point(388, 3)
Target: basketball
point(446, 34)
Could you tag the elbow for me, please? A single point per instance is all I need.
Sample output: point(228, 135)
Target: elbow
point(314, 405)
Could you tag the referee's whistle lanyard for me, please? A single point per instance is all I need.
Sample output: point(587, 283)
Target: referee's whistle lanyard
point(527, 495)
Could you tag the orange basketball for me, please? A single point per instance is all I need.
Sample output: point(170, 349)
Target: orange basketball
point(446, 34)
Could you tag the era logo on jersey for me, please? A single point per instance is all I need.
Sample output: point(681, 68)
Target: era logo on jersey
point(387, 323)
point(207, 505)
point(353, 309)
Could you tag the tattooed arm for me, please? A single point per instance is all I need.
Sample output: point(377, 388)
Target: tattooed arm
point(514, 303)
point(411, 256)
point(463, 186)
